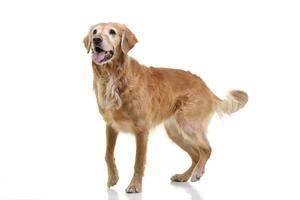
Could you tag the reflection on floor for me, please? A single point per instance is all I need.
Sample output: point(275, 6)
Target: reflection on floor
point(193, 194)
point(189, 189)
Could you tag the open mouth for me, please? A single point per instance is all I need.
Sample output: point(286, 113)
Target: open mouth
point(101, 56)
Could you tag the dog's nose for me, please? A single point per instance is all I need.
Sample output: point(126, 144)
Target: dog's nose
point(97, 40)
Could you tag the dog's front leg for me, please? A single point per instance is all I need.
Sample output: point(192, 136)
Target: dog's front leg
point(140, 159)
point(111, 137)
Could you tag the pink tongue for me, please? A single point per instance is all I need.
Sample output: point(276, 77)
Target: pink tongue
point(98, 57)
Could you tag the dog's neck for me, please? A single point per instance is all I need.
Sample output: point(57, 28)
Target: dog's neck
point(110, 80)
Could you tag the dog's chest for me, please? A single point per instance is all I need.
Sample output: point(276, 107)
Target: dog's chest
point(107, 93)
point(110, 103)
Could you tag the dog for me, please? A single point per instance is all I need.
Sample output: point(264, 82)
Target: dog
point(134, 98)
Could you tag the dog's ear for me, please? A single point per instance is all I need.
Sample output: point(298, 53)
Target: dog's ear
point(87, 41)
point(128, 40)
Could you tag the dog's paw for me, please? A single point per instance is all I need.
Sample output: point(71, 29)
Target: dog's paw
point(196, 176)
point(112, 180)
point(180, 178)
point(134, 188)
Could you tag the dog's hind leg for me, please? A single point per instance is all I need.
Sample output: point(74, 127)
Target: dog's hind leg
point(204, 151)
point(174, 134)
point(192, 121)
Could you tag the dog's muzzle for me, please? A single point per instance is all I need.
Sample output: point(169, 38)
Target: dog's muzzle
point(100, 55)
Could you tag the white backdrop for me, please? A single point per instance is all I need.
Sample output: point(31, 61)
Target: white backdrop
point(52, 137)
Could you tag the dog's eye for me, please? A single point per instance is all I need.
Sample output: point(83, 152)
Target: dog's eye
point(95, 31)
point(112, 32)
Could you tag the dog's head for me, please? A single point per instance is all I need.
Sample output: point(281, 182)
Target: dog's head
point(108, 41)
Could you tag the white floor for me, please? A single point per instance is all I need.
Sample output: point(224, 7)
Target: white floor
point(74, 168)
point(173, 191)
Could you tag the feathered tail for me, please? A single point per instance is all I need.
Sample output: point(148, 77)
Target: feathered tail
point(235, 100)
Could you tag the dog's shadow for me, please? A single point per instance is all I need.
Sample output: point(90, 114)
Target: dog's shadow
point(113, 195)
point(193, 194)
point(189, 189)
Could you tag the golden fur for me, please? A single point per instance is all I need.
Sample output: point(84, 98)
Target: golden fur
point(134, 98)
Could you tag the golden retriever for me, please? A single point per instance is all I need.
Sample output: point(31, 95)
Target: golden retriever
point(134, 98)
